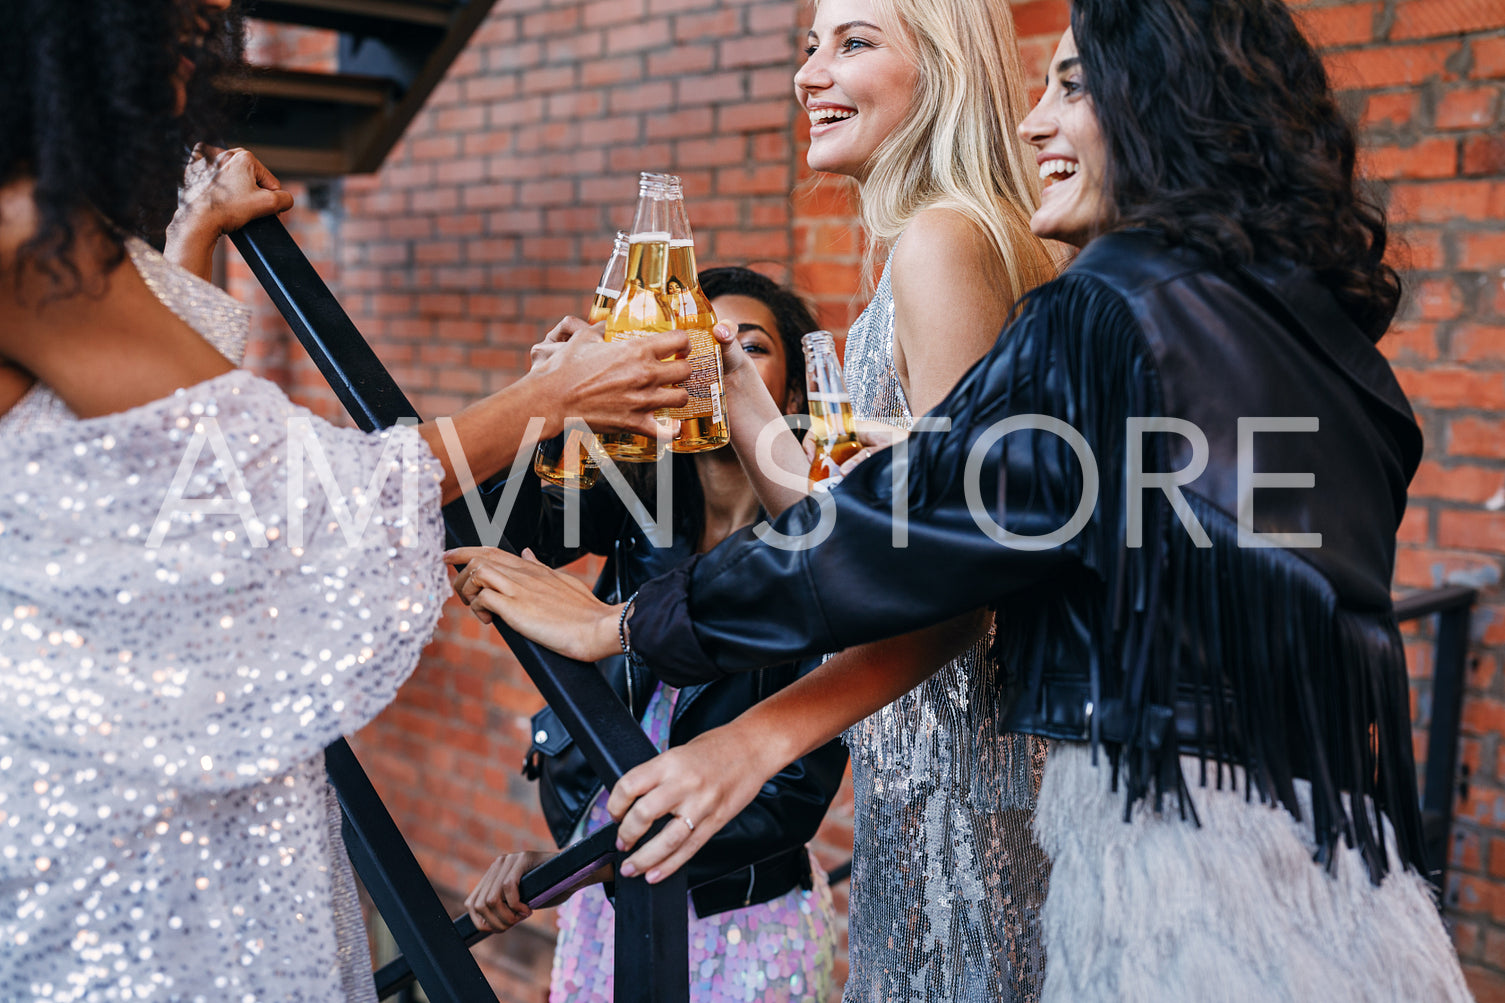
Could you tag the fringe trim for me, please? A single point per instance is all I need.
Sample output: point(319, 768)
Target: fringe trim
point(1285, 685)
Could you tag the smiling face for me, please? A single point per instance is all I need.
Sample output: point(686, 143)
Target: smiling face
point(856, 86)
point(758, 333)
point(1073, 158)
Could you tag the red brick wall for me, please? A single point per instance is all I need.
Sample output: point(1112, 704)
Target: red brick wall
point(493, 215)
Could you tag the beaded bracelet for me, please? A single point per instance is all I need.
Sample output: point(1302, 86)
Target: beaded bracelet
point(622, 626)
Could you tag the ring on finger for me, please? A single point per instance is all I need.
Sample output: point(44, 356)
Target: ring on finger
point(686, 820)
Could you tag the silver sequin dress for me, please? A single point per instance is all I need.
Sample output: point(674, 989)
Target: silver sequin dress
point(947, 880)
point(170, 676)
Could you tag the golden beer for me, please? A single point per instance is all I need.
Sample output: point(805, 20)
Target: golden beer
point(565, 459)
point(641, 310)
point(702, 421)
point(833, 427)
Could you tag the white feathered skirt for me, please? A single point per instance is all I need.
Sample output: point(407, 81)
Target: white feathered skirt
point(1159, 910)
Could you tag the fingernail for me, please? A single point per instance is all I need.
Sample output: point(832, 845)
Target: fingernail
point(621, 844)
point(628, 870)
point(654, 877)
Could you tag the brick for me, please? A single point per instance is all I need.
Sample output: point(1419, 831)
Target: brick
point(753, 116)
point(1472, 530)
point(672, 62)
point(719, 152)
point(574, 47)
point(1482, 251)
point(1428, 158)
point(1484, 155)
point(1430, 19)
point(1440, 201)
point(679, 123)
point(1470, 436)
point(1467, 108)
point(1479, 343)
point(726, 23)
point(710, 88)
point(1392, 65)
point(653, 96)
point(1452, 387)
point(609, 72)
point(548, 80)
point(755, 51)
point(1332, 27)
point(1410, 341)
point(1393, 110)
point(752, 180)
point(644, 35)
point(605, 13)
point(754, 245)
point(1463, 483)
point(1415, 526)
point(1436, 299)
point(558, 21)
point(778, 16)
point(1041, 17)
point(1489, 58)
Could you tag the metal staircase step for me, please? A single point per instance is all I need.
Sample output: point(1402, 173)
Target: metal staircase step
point(379, 18)
point(391, 55)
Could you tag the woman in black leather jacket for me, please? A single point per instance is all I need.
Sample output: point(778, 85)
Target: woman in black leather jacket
point(755, 874)
point(1178, 478)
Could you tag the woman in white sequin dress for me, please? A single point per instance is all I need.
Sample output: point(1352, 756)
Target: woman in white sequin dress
point(917, 101)
point(179, 639)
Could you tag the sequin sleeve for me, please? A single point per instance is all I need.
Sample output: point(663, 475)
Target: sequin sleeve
point(205, 590)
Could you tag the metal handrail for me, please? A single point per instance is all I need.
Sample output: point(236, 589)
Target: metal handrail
point(652, 951)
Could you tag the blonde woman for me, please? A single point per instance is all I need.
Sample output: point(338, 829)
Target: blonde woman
point(918, 102)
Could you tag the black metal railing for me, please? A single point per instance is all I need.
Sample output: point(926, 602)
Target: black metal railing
point(652, 963)
point(1453, 607)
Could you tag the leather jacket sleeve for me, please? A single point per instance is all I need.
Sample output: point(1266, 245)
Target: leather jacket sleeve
point(748, 603)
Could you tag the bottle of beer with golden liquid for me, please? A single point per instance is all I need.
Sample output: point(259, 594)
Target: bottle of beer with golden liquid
point(702, 421)
point(833, 427)
point(565, 459)
point(642, 309)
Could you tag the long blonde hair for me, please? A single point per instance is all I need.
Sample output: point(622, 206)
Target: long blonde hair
point(959, 147)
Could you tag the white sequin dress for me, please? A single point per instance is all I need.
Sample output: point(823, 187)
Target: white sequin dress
point(947, 879)
point(166, 828)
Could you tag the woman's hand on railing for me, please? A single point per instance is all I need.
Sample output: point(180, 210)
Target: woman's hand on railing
point(496, 903)
point(223, 190)
point(704, 784)
point(550, 607)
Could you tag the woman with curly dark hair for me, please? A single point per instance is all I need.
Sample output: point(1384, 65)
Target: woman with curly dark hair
point(179, 640)
point(1177, 477)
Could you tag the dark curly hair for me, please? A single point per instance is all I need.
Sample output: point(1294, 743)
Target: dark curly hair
point(1224, 135)
point(88, 111)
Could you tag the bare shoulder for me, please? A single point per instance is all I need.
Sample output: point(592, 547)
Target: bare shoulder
point(940, 237)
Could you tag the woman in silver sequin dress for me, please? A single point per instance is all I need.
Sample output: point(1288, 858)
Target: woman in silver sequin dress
point(917, 101)
point(170, 673)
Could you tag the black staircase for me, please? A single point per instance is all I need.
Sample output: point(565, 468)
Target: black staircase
point(391, 56)
point(652, 952)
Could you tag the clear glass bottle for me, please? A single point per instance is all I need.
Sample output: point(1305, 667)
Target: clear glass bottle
point(641, 310)
point(565, 459)
point(702, 421)
point(833, 427)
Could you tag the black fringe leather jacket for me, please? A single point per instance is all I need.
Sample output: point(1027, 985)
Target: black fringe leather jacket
point(1197, 636)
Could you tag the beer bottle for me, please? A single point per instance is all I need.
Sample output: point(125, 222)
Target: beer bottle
point(833, 428)
point(565, 459)
point(702, 421)
point(642, 309)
